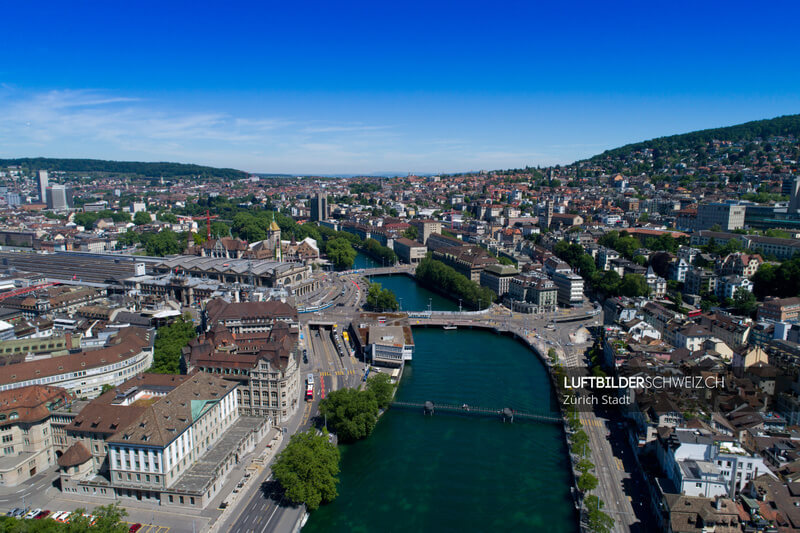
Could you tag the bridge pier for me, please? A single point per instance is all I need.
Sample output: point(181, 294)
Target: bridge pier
point(428, 409)
point(508, 414)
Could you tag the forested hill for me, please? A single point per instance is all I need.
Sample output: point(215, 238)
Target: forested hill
point(784, 126)
point(147, 170)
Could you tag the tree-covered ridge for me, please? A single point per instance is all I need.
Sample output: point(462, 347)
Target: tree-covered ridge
point(149, 170)
point(783, 126)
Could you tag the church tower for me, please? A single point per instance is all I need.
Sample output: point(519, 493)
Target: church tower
point(274, 239)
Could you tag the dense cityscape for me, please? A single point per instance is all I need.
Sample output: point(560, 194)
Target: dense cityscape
point(187, 344)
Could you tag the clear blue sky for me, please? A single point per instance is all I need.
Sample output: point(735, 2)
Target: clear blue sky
point(330, 87)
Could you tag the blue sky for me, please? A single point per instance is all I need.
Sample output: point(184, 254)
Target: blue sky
point(306, 87)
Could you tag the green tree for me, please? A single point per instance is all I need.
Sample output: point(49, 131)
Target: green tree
point(410, 233)
point(380, 299)
point(598, 521)
point(587, 482)
point(380, 385)
point(633, 285)
point(306, 469)
point(351, 413)
point(584, 465)
point(141, 218)
point(169, 342)
point(341, 253)
point(744, 302)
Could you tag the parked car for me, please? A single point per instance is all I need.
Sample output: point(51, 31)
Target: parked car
point(14, 512)
point(41, 515)
point(134, 528)
point(32, 514)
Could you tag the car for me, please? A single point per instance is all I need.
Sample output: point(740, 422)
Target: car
point(14, 512)
point(63, 517)
point(43, 514)
point(134, 528)
point(32, 514)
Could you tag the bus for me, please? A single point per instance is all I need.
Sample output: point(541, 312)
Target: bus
point(309, 392)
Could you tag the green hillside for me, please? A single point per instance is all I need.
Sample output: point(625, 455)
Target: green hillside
point(758, 129)
point(147, 170)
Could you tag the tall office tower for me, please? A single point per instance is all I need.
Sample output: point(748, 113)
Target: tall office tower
point(43, 186)
point(794, 195)
point(547, 215)
point(59, 197)
point(319, 207)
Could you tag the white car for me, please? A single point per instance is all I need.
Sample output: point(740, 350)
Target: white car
point(33, 514)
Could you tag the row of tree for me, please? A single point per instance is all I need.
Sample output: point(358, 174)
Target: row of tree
point(382, 253)
point(579, 445)
point(438, 276)
point(106, 519)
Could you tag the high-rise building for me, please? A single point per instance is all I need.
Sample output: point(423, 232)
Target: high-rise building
point(59, 197)
point(319, 207)
point(727, 217)
point(43, 186)
point(794, 195)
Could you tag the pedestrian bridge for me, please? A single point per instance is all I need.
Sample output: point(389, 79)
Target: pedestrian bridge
point(507, 413)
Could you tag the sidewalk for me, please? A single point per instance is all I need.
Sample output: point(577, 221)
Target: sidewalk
point(226, 520)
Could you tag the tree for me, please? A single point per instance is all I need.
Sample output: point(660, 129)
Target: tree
point(584, 465)
point(141, 218)
point(410, 233)
point(552, 354)
point(634, 285)
point(351, 413)
point(169, 342)
point(744, 302)
point(380, 385)
point(587, 482)
point(306, 469)
point(598, 521)
point(341, 253)
point(381, 299)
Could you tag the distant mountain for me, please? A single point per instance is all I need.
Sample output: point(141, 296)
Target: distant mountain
point(147, 170)
point(788, 125)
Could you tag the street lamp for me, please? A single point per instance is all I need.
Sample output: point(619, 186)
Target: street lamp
point(459, 305)
point(430, 305)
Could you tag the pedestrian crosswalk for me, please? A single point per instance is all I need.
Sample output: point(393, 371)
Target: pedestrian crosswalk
point(594, 422)
point(340, 373)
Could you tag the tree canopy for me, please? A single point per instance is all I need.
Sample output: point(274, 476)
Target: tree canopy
point(107, 519)
point(437, 275)
point(306, 469)
point(380, 385)
point(351, 413)
point(379, 299)
point(169, 341)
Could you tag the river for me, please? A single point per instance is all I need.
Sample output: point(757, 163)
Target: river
point(457, 473)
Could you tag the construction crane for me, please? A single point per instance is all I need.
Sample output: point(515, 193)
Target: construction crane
point(207, 218)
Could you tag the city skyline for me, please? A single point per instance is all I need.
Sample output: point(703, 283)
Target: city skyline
point(375, 89)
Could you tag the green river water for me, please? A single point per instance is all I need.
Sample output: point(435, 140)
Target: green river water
point(438, 473)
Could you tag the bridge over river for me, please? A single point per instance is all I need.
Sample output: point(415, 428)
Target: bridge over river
point(507, 413)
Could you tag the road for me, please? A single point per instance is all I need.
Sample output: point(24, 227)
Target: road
point(264, 512)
